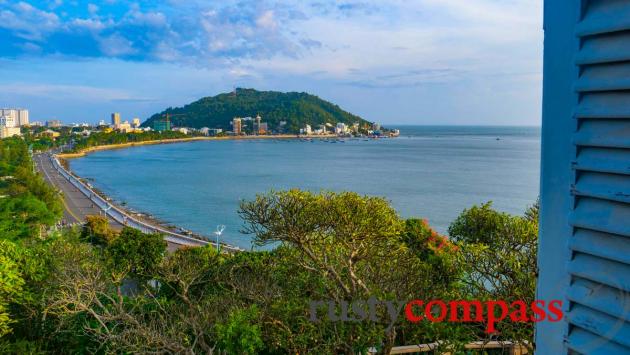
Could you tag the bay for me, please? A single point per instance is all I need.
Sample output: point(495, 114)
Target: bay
point(431, 172)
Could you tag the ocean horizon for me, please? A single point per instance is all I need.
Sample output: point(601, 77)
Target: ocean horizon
point(431, 172)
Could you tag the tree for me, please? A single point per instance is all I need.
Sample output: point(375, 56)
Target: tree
point(135, 253)
point(240, 334)
point(355, 245)
point(97, 230)
point(11, 283)
point(499, 260)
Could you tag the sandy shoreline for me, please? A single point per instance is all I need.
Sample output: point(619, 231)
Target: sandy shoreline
point(86, 151)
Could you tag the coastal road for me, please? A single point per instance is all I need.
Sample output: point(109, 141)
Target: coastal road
point(76, 205)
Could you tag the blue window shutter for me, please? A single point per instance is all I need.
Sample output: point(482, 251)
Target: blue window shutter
point(584, 255)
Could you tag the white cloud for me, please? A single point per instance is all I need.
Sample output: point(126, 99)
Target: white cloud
point(266, 21)
point(28, 22)
point(116, 45)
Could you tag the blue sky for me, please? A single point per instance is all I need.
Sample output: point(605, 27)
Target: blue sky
point(391, 61)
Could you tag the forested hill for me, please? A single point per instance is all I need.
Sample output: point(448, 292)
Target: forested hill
point(296, 108)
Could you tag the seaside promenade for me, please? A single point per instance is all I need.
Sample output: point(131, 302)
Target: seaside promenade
point(77, 206)
point(80, 201)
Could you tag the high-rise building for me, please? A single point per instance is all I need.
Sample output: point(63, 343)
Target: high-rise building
point(135, 123)
point(257, 127)
point(115, 119)
point(237, 126)
point(19, 115)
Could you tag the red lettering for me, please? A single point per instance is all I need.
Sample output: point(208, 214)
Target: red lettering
point(409, 311)
point(538, 309)
point(492, 319)
point(557, 311)
point(430, 306)
point(466, 311)
point(520, 313)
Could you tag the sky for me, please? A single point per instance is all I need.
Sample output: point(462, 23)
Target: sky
point(441, 62)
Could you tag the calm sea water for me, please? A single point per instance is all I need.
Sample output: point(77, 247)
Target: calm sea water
point(428, 172)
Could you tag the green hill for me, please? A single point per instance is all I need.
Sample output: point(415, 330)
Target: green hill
point(296, 108)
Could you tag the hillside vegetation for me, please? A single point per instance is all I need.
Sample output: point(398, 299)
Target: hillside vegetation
point(296, 108)
point(94, 290)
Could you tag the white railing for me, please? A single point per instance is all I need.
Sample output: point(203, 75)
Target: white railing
point(125, 219)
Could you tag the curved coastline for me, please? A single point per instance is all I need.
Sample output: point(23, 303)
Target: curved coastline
point(97, 148)
point(147, 217)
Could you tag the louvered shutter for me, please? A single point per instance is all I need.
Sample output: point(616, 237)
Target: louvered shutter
point(597, 284)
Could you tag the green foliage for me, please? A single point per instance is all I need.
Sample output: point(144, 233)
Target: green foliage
point(135, 253)
point(107, 138)
point(479, 224)
point(96, 230)
point(11, 283)
point(297, 109)
point(498, 256)
point(356, 247)
point(125, 294)
point(240, 334)
point(27, 203)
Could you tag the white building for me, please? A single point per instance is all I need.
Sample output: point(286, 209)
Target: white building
point(19, 115)
point(124, 127)
point(135, 123)
point(8, 127)
point(7, 121)
point(341, 128)
point(308, 129)
point(183, 130)
point(210, 131)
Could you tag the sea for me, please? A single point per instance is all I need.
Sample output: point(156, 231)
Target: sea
point(431, 172)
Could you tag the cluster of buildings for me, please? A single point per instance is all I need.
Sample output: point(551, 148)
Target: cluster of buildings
point(125, 126)
point(342, 129)
point(11, 119)
point(258, 127)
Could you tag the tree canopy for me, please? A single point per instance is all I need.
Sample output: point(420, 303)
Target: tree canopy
point(97, 290)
